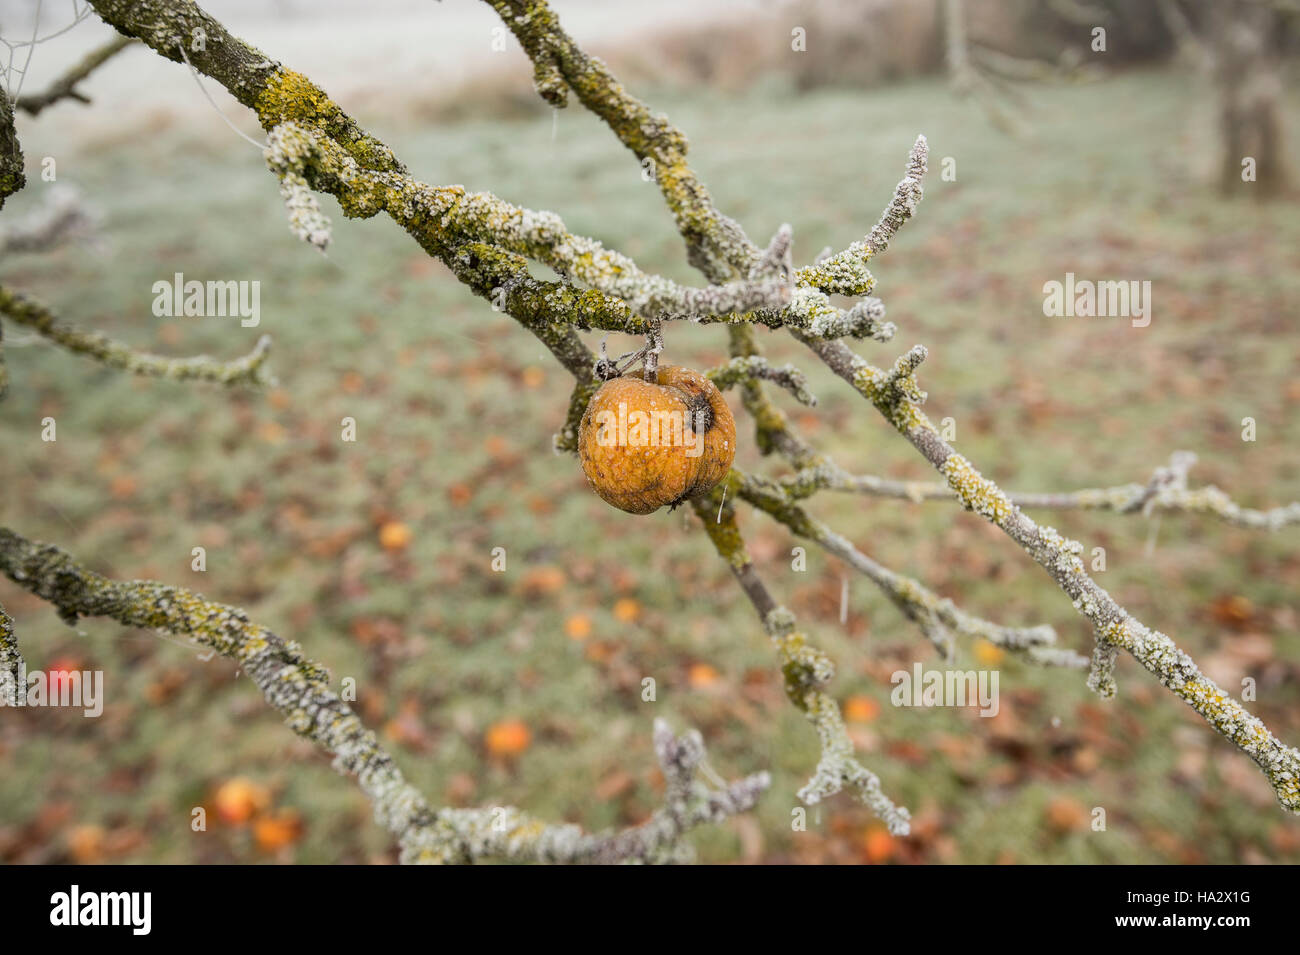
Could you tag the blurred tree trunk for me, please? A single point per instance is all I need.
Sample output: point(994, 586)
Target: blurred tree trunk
point(956, 51)
point(1248, 76)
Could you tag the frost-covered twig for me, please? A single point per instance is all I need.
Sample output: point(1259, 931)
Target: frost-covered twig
point(1059, 556)
point(507, 833)
point(248, 370)
point(299, 689)
point(63, 217)
point(845, 273)
point(807, 672)
point(1166, 492)
point(65, 87)
point(304, 157)
point(937, 617)
point(739, 370)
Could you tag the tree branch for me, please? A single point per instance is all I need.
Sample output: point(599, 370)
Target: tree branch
point(248, 370)
point(65, 87)
point(299, 689)
point(62, 217)
point(807, 672)
point(11, 153)
point(896, 397)
point(742, 370)
point(937, 617)
point(1166, 492)
point(11, 662)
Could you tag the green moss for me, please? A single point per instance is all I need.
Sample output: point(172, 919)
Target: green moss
point(291, 97)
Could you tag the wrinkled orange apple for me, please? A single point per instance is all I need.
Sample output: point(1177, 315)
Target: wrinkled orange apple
point(646, 444)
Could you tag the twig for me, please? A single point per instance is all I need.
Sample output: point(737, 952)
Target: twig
point(1057, 555)
point(248, 370)
point(1160, 494)
point(937, 617)
point(65, 87)
point(740, 370)
point(63, 217)
point(807, 671)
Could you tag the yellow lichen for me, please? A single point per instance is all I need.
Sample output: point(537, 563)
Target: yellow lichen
point(976, 492)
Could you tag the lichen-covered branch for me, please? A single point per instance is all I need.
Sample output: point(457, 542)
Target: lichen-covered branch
point(65, 87)
point(443, 217)
point(313, 143)
point(688, 803)
point(248, 370)
point(11, 153)
point(807, 672)
point(299, 689)
point(1059, 556)
point(845, 273)
point(1166, 492)
point(937, 617)
point(11, 662)
point(742, 370)
point(715, 243)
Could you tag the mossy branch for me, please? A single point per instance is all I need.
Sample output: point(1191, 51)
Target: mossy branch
point(11, 153)
point(299, 689)
point(11, 662)
point(937, 617)
point(1113, 625)
point(715, 243)
point(1158, 495)
point(742, 370)
point(806, 671)
point(248, 370)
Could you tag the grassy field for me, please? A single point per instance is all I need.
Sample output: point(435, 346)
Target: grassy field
point(455, 409)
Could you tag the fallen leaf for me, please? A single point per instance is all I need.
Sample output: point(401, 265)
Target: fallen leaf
point(276, 830)
point(238, 800)
point(626, 609)
point(508, 738)
point(878, 845)
point(701, 676)
point(861, 709)
point(394, 535)
point(578, 627)
point(1064, 814)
